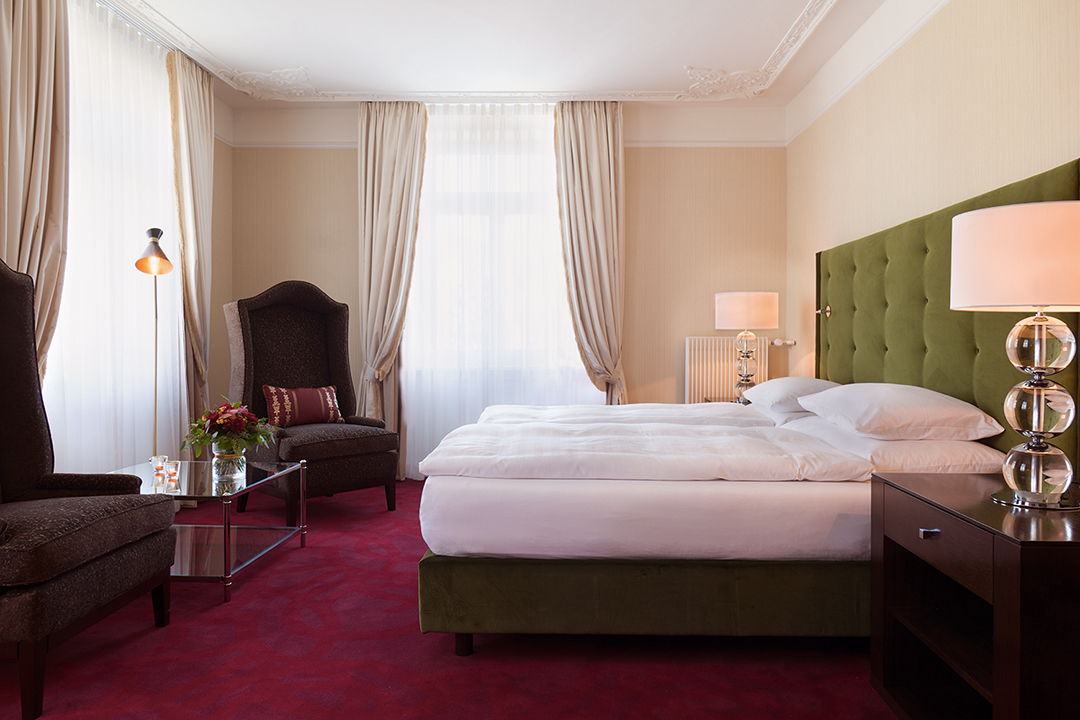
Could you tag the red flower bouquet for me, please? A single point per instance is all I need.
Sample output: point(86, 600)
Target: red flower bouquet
point(232, 429)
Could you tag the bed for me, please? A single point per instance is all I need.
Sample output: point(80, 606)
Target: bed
point(889, 324)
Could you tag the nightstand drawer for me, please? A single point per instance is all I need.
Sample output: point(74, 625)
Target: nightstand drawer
point(960, 550)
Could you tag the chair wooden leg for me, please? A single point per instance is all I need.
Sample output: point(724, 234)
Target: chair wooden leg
point(463, 644)
point(241, 503)
point(161, 598)
point(391, 495)
point(32, 677)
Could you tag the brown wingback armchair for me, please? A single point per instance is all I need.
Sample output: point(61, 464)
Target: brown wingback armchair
point(73, 548)
point(296, 336)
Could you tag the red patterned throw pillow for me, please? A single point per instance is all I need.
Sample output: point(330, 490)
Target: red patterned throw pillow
point(301, 406)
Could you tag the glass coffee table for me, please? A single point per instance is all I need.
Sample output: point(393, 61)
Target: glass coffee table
point(212, 552)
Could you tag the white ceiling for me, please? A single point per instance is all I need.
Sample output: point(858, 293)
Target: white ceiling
point(750, 53)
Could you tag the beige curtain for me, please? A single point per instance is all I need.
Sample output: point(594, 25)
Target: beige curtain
point(589, 157)
point(391, 167)
point(191, 99)
point(34, 151)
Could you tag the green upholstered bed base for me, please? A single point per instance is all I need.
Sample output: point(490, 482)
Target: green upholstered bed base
point(644, 597)
point(890, 322)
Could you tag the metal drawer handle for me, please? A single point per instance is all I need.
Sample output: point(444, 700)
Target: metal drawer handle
point(927, 533)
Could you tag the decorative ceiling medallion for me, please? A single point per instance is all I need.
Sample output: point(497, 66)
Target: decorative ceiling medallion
point(719, 85)
point(276, 85)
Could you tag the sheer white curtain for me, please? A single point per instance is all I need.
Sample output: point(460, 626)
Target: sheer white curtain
point(488, 319)
point(100, 384)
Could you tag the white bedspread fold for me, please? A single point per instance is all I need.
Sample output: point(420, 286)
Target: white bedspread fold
point(639, 451)
point(717, 413)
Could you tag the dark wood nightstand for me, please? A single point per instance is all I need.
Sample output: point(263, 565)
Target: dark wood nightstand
point(974, 604)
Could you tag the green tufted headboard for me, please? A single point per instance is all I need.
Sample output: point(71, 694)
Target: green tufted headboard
point(891, 322)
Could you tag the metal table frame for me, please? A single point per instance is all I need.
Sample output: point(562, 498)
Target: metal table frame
point(239, 545)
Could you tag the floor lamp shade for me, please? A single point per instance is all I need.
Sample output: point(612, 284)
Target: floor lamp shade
point(154, 262)
point(745, 311)
point(1025, 258)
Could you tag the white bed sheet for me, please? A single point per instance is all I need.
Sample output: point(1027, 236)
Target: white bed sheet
point(575, 518)
point(643, 481)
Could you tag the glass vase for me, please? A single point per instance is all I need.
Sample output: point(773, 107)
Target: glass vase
point(229, 469)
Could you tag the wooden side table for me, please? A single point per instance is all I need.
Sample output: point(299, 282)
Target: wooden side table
point(974, 604)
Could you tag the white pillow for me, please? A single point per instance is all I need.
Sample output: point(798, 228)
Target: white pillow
point(909, 456)
point(900, 412)
point(782, 394)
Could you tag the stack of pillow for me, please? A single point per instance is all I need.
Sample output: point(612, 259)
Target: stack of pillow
point(899, 428)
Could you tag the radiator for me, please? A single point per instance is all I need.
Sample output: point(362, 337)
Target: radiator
point(710, 367)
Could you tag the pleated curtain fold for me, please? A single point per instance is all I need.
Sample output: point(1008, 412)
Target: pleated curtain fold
point(589, 157)
point(34, 151)
point(391, 164)
point(191, 99)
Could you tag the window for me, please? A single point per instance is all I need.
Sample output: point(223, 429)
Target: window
point(488, 321)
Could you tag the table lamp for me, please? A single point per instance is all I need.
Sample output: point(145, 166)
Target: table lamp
point(743, 311)
point(154, 262)
point(1024, 258)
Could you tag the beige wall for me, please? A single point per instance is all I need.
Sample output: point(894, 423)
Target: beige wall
point(221, 272)
point(699, 221)
point(291, 214)
point(986, 93)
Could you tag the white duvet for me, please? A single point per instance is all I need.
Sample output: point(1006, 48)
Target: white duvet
point(639, 451)
point(718, 413)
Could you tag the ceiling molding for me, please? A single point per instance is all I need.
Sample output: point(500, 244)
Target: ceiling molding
point(748, 84)
point(276, 85)
point(292, 84)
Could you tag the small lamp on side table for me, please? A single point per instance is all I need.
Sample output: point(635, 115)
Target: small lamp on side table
point(1023, 258)
point(742, 311)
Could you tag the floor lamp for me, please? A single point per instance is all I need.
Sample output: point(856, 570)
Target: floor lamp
point(154, 262)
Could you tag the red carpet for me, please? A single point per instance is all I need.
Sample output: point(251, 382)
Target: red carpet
point(331, 631)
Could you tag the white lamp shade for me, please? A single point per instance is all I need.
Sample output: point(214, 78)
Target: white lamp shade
point(747, 310)
point(1015, 258)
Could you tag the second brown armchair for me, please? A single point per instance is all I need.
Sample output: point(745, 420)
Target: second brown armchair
point(295, 337)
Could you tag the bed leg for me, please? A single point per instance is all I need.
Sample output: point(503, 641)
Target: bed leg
point(462, 644)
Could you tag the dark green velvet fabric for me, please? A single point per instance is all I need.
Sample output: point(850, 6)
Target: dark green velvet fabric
point(891, 322)
point(644, 597)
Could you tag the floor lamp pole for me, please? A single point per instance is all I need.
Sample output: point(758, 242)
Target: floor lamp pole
point(155, 363)
point(154, 262)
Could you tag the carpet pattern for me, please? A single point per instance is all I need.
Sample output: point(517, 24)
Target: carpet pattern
point(331, 631)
